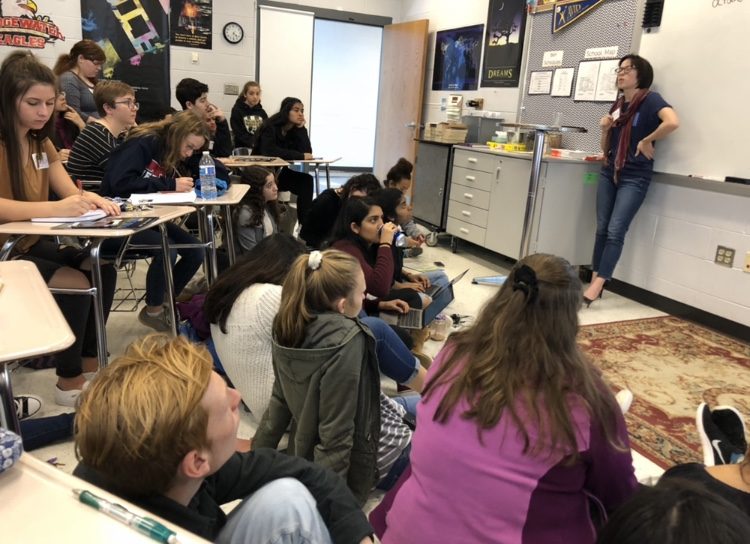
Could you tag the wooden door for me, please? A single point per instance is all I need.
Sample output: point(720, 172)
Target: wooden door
point(402, 69)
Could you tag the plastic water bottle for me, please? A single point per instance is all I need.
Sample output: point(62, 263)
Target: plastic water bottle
point(207, 169)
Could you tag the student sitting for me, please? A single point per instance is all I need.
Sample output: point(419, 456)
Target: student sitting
point(29, 170)
point(173, 454)
point(399, 177)
point(361, 232)
point(241, 306)
point(284, 135)
point(193, 95)
point(257, 216)
point(151, 160)
point(77, 72)
point(327, 381)
point(517, 435)
point(67, 126)
point(325, 209)
point(247, 115)
point(116, 105)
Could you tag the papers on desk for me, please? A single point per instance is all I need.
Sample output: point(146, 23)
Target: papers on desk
point(165, 197)
point(93, 215)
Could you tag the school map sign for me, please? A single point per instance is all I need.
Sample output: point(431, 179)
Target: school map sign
point(22, 26)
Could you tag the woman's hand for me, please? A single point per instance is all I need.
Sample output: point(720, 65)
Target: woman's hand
point(73, 206)
point(399, 306)
point(606, 122)
point(183, 185)
point(646, 149)
point(64, 154)
point(386, 233)
point(73, 116)
point(415, 285)
point(102, 203)
point(423, 280)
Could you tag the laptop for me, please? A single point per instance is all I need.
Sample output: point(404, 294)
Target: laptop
point(432, 289)
point(419, 318)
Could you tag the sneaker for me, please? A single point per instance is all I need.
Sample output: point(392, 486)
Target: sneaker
point(69, 398)
point(624, 399)
point(717, 447)
point(27, 406)
point(156, 322)
point(729, 420)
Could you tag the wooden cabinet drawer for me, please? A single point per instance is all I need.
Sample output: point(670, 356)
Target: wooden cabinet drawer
point(466, 231)
point(473, 178)
point(468, 214)
point(475, 161)
point(470, 196)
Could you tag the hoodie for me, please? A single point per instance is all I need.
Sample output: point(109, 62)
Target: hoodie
point(245, 122)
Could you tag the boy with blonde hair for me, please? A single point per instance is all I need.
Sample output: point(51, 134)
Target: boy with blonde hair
point(158, 427)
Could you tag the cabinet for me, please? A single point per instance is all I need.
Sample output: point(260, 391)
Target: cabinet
point(432, 177)
point(488, 192)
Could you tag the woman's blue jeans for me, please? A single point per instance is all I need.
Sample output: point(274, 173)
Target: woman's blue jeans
point(616, 206)
point(394, 358)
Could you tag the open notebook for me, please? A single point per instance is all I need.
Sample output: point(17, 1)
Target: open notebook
point(93, 215)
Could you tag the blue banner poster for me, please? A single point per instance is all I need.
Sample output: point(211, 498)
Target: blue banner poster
point(568, 13)
point(135, 37)
point(503, 43)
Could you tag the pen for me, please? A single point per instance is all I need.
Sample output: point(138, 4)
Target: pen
point(146, 526)
point(80, 187)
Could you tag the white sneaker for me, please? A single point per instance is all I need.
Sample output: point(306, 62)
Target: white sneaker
point(69, 398)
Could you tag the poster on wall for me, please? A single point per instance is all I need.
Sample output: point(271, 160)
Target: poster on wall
point(457, 57)
point(21, 25)
point(135, 37)
point(503, 43)
point(191, 23)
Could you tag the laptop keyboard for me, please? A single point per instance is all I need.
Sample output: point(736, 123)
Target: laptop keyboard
point(412, 320)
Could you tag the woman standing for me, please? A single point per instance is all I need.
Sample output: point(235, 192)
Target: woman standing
point(537, 440)
point(284, 135)
point(77, 72)
point(29, 170)
point(636, 120)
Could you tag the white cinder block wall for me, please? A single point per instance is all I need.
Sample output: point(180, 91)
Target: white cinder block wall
point(671, 246)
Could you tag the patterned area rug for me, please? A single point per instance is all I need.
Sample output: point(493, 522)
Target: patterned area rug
point(671, 366)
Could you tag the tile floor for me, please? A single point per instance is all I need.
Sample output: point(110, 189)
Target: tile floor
point(124, 327)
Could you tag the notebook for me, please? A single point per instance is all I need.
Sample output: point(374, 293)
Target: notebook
point(165, 197)
point(93, 215)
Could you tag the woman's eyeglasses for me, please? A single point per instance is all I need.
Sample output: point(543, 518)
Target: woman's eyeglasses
point(624, 70)
point(133, 105)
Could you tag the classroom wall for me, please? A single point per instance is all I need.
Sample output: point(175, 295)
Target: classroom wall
point(225, 63)
point(444, 15)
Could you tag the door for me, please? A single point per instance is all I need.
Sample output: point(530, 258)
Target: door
point(402, 71)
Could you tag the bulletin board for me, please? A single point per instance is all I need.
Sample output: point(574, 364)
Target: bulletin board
point(610, 24)
point(700, 57)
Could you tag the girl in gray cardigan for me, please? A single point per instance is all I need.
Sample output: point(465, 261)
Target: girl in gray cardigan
point(257, 216)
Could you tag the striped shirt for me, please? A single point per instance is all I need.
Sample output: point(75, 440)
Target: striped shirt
point(395, 435)
point(91, 151)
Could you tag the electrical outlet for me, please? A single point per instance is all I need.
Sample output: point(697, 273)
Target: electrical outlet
point(231, 89)
point(724, 256)
point(747, 262)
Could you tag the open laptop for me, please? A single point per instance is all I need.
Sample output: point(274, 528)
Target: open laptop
point(432, 289)
point(420, 318)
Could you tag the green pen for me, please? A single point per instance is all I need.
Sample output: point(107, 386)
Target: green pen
point(146, 526)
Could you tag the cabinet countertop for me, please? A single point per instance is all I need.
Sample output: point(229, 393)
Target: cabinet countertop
point(526, 155)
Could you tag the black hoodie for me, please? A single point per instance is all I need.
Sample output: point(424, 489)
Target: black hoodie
point(245, 122)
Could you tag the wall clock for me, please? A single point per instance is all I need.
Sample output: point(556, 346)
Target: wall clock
point(233, 33)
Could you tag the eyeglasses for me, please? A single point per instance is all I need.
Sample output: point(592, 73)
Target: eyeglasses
point(624, 70)
point(129, 103)
point(95, 62)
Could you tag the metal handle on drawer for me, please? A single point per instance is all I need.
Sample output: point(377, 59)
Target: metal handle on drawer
point(471, 178)
point(468, 195)
point(472, 160)
point(465, 231)
point(464, 212)
point(440, 192)
point(497, 173)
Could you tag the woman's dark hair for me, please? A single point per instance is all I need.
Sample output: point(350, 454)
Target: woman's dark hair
point(354, 210)
point(676, 512)
point(19, 72)
point(362, 182)
point(281, 117)
point(255, 177)
point(388, 200)
point(643, 69)
point(267, 262)
point(401, 170)
point(88, 48)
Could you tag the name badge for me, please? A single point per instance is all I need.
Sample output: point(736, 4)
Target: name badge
point(41, 162)
point(616, 114)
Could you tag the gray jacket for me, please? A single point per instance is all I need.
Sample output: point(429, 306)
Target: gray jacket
point(328, 390)
point(78, 95)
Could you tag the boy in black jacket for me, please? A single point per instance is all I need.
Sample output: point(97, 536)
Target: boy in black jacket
point(247, 115)
point(158, 427)
point(193, 95)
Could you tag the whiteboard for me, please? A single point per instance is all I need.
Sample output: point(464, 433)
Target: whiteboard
point(701, 60)
point(285, 51)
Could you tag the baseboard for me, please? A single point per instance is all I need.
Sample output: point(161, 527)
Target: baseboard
point(678, 309)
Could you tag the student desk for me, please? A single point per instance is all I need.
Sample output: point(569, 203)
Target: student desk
point(19, 229)
point(315, 163)
point(38, 505)
point(31, 325)
point(243, 161)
